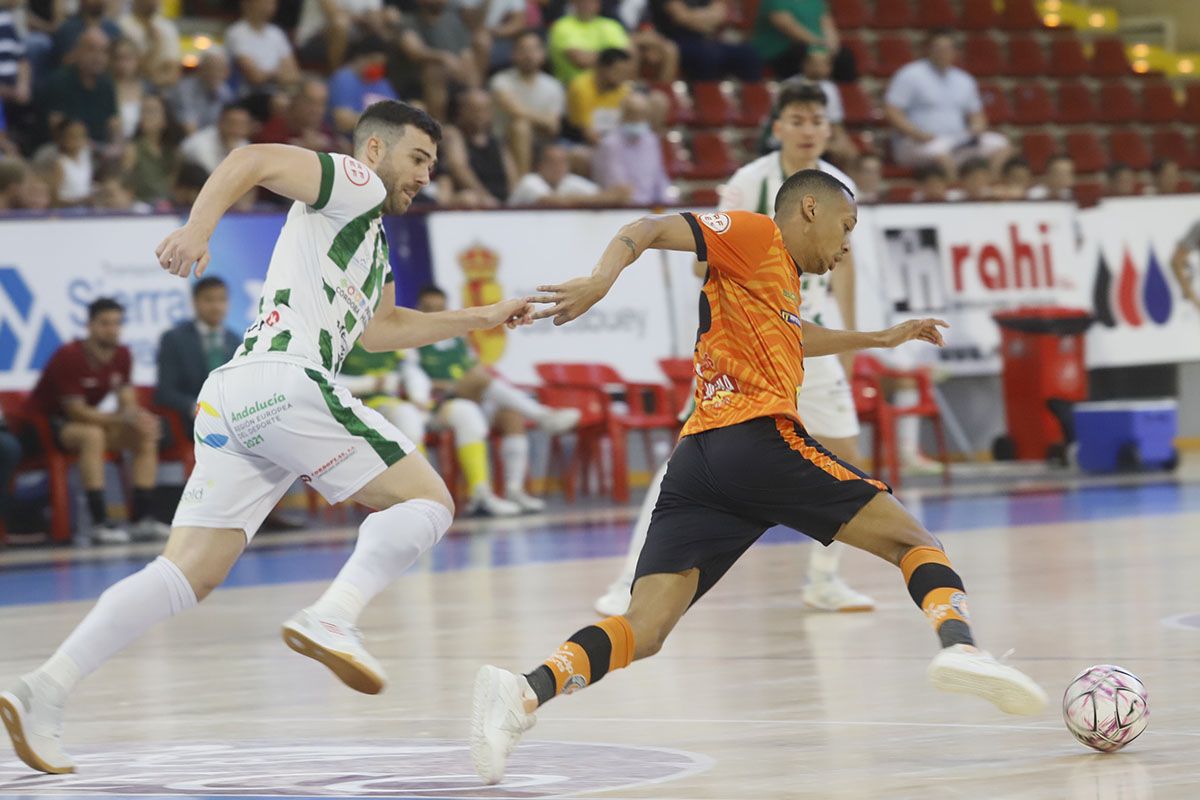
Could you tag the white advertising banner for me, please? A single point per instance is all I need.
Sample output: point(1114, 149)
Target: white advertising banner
point(482, 257)
point(1127, 246)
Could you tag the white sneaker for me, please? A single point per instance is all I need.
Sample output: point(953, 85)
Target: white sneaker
point(486, 504)
point(150, 529)
point(968, 670)
point(35, 727)
point(921, 465)
point(498, 718)
point(560, 420)
point(109, 532)
point(338, 645)
point(528, 503)
point(614, 602)
point(832, 594)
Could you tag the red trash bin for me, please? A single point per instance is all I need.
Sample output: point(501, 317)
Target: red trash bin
point(1043, 374)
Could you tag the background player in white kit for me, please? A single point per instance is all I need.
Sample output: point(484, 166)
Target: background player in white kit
point(825, 401)
point(273, 413)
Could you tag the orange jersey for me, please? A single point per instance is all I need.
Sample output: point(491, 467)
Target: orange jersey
point(749, 356)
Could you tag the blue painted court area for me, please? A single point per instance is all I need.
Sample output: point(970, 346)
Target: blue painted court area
point(269, 563)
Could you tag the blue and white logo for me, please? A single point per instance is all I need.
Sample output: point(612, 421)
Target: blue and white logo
point(27, 337)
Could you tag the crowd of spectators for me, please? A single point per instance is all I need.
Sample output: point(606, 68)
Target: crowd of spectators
point(559, 102)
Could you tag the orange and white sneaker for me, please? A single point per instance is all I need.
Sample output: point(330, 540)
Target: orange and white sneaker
point(501, 712)
point(338, 645)
point(968, 670)
point(35, 726)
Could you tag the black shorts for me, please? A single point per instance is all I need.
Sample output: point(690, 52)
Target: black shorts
point(725, 487)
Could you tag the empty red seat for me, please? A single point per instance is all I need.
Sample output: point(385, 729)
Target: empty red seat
point(712, 158)
point(891, 14)
point(901, 193)
point(995, 104)
point(1067, 59)
point(754, 105)
point(1087, 151)
point(1031, 105)
point(702, 197)
point(1076, 106)
point(1026, 57)
point(1020, 15)
point(935, 14)
point(1191, 105)
point(977, 15)
point(1130, 147)
point(982, 56)
point(1038, 146)
point(850, 13)
point(1088, 193)
point(712, 107)
point(675, 159)
point(1158, 102)
point(1109, 59)
point(892, 51)
point(859, 108)
point(1117, 103)
point(862, 53)
point(1172, 144)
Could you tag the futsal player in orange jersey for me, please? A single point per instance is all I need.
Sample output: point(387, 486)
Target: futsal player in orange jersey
point(744, 461)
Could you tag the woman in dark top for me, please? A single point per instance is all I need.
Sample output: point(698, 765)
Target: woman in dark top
point(152, 157)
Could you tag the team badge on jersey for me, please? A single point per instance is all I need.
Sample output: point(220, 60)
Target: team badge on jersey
point(715, 221)
point(356, 172)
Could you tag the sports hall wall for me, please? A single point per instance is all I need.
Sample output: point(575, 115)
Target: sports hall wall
point(959, 261)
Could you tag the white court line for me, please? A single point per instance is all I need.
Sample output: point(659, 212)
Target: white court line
point(1176, 621)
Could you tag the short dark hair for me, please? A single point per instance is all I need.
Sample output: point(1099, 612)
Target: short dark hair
point(808, 182)
point(928, 171)
point(430, 288)
point(799, 91)
point(612, 55)
point(394, 114)
point(938, 33)
point(529, 32)
point(236, 105)
point(102, 304)
point(1160, 164)
point(973, 165)
point(1015, 162)
point(211, 282)
point(1117, 166)
point(369, 45)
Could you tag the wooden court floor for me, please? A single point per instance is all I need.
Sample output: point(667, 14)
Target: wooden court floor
point(752, 697)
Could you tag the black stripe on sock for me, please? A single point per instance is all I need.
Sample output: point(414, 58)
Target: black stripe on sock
point(928, 577)
point(955, 631)
point(541, 680)
point(595, 642)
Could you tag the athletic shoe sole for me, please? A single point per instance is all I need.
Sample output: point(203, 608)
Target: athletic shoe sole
point(483, 695)
point(12, 714)
point(349, 671)
point(1009, 695)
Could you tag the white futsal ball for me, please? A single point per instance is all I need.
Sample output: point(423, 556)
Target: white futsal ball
point(1106, 707)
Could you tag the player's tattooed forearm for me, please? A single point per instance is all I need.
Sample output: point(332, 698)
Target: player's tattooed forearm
point(625, 240)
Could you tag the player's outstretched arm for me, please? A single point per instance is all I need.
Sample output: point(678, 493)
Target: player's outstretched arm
point(286, 170)
point(656, 232)
point(395, 328)
point(820, 341)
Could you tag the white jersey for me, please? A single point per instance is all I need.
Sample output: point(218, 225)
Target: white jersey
point(327, 274)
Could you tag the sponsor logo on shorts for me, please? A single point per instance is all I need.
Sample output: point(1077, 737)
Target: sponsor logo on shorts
point(193, 495)
point(213, 440)
point(715, 221)
point(253, 441)
point(259, 406)
point(309, 477)
point(206, 409)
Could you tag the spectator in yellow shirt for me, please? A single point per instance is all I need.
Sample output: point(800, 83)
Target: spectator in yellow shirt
point(577, 40)
point(594, 97)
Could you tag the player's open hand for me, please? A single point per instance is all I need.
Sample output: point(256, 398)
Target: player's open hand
point(182, 248)
point(925, 330)
point(571, 299)
point(512, 313)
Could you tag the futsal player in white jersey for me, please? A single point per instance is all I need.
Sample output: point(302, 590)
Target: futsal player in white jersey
point(274, 413)
point(825, 401)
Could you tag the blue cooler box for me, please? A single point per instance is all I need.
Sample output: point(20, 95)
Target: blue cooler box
point(1126, 434)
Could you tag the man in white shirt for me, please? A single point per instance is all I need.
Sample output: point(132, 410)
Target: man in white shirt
point(529, 102)
point(327, 27)
point(937, 112)
point(554, 185)
point(261, 50)
point(208, 146)
point(156, 39)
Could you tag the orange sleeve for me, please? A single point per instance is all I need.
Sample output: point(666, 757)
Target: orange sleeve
point(733, 243)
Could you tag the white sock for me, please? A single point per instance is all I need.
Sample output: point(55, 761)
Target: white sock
point(505, 395)
point(823, 561)
point(125, 611)
point(908, 429)
point(389, 542)
point(640, 528)
point(514, 450)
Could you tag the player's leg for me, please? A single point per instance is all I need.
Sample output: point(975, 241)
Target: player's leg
point(90, 444)
point(469, 424)
point(514, 451)
point(824, 589)
point(615, 600)
point(411, 420)
point(551, 420)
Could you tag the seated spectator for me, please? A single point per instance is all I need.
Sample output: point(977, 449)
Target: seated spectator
point(1059, 181)
point(208, 147)
point(12, 175)
point(16, 75)
point(439, 52)
point(1167, 179)
point(577, 39)
point(554, 185)
point(975, 176)
point(189, 180)
point(327, 28)
point(501, 21)
point(933, 184)
point(530, 103)
point(1016, 179)
point(86, 393)
point(695, 27)
point(197, 100)
point(73, 173)
point(33, 193)
point(1122, 180)
point(480, 166)
point(91, 14)
point(360, 83)
point(151, 158)
point(260, 50)
point(786, 31)
point(629, 157)
point(156, 39)
point(937, 112)
point(114, 192)
point(303, 122)
point(594, 97)
point(10, 456)
point(868, 175)
point(83, 90)
point(128, 84)
point(194, 348)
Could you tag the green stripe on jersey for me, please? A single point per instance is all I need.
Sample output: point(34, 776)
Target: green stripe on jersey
point(325, 342)
point(385, 448)
point(326, 181)
point(283, 296)
point(280, 342)
point(350, 238)
point(350, 321)
point(329, 292)
point(249, 344)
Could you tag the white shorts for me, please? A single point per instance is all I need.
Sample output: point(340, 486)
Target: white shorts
point(911, 153)
point(261, 424)
point(825, 402)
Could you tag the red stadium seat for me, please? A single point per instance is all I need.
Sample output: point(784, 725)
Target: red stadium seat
point(1117, 103)
point(1191, 105)
point(901, 193)
point(872, 407)
point(675, 159)
point(1109, 59)
point(978, 15)
point(702, 197)
point(679, 108)
point(1037, 147)
point(995, 104)
point(1020, 15)
point(713, 109)
point(1172, 144)
point(754, 105)
point(935, 14)
point(1158, 102)
point(982, 56)
point(850, 13)
point(893, 51)
point(1026, 57)
point(1076, 105)
point(1129, 147)
point(1087, 151)
point(711, 157)
point(1031, 105)
point(1067, 59)
point(892, 14)
point(863, 56)
point(1088, 193)
point(859, 107)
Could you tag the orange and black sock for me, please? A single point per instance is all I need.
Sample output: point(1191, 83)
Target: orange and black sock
point(936, 588)
point(583, 659)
